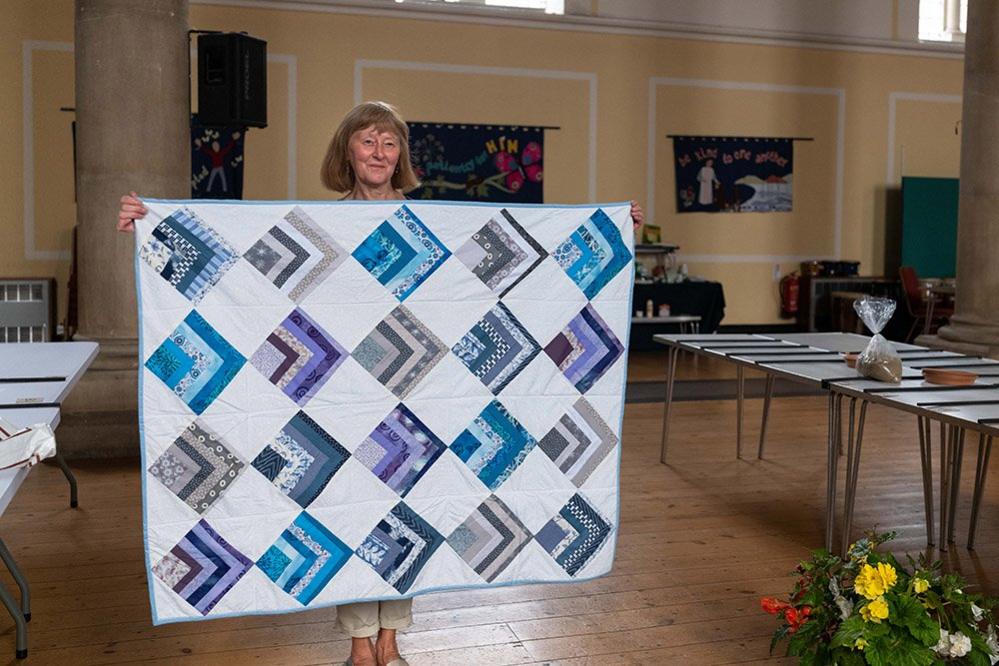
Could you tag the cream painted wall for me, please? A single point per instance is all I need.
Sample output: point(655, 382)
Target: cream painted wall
point(521, 75)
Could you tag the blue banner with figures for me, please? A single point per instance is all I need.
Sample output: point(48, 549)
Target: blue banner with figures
point(733, 175)
point(216, 161)
point(477, 162)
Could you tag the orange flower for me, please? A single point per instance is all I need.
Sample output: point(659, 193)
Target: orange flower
point(773, 605)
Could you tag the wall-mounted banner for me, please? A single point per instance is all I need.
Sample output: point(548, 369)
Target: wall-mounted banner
point(499, 163)
point(216, 161)
point(732, 175)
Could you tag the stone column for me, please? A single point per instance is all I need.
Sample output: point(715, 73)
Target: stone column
point(132, 112)
point(975, 325)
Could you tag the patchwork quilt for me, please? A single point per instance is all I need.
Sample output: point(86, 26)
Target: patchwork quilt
point(372, 400)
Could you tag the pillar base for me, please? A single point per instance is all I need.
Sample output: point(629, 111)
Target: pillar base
point(936, 342)
point(969, 334)
point(100, 417)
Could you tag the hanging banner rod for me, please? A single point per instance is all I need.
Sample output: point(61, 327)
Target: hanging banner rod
point(741, 138)
point(485, 125)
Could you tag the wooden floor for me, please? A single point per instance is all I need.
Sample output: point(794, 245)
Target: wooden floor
point(701, 540)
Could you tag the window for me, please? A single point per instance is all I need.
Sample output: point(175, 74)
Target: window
point(546, 6)
point(943, 20)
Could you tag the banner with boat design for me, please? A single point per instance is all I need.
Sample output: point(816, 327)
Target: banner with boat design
point(720, 174)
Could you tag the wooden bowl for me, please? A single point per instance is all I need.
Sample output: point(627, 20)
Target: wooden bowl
point(947, 377)
point(851, 360)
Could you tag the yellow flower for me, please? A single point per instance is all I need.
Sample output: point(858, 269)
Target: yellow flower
point(872, 582)
point(887, 574)
point(875, 611)
point(920, 585)
point(859, 644)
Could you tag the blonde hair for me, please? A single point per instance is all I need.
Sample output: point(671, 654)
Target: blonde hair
point(336, 172)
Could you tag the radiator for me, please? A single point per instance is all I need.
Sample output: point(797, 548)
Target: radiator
point(27, 309)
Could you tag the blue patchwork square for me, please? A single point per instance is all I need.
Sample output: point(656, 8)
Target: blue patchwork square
point(401, 253)
point(304, 558)
point(195, 362)
point(593, 254)
point(494, 445)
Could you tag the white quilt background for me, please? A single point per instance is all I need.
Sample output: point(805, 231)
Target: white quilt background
point(217, 287)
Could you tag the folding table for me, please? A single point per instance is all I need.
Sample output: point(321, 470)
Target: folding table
point(34, 380)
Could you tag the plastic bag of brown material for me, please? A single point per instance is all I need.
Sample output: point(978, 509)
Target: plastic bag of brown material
point(879, 360)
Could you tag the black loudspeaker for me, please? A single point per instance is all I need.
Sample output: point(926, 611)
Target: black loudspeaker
point(232, 80)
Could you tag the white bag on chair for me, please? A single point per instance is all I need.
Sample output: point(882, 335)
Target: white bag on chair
point(24, 447)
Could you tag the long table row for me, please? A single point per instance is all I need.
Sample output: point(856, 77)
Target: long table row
point(816, 360)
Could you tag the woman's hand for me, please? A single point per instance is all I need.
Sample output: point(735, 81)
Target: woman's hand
point(637, 214)
point(133, 209)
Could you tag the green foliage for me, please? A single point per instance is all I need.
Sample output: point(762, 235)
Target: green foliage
point(836, 611)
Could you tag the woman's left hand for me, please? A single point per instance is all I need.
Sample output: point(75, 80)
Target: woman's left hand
point(637, 214)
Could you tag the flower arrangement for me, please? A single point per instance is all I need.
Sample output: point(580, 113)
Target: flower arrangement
point(866, 608)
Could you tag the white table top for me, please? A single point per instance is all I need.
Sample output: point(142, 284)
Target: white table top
point(815, 358)
point(61, 362)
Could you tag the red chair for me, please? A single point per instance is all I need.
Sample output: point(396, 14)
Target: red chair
point(915, 301)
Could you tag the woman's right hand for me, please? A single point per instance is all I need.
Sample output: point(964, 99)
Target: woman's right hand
point(132, 209)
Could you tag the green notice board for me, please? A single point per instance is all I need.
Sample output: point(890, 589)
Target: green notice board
point(929, 225)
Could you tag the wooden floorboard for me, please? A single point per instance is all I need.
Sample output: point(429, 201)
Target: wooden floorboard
point(700, 541)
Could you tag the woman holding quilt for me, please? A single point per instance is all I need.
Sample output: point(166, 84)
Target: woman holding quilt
point(368, 158)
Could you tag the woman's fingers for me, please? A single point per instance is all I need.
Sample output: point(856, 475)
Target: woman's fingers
point(125, 223)
point(637, 214)
point(131, 209)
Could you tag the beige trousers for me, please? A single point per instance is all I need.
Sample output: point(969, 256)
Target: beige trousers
point(365, 618)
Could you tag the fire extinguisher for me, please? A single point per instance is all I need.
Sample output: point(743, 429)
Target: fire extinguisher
point(790, 286)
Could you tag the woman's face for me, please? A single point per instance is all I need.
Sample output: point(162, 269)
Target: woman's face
point(373, 155)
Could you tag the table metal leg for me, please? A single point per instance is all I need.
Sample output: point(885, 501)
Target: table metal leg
point(832, 460)
point(946, 444)
point(984, 452)
point(955, 482)
point(20, 614)
point(68, 473)
point(767, 396)
point(931, 301)
point(853, 469)
point(926, 463)
point(668, 400)
point(740, 399)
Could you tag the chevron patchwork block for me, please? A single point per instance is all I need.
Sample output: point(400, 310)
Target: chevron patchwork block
point(401, 253)
point(494, 445)
point(198, 467)
point(304, 558)
point(202, 567)
point(296, 255)
point(490, 538)
point(579, 442)
point(400, 352)
point(301, 459)
point(400, 546)
point(585, 349)
point(501, 253)
point(400, 450)
point(195, 362)
point(497, 348)
point(298, 357)
point(593, 254)
point(574, 535)
point(188, 254)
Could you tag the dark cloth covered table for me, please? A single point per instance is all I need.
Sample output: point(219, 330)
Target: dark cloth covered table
point(706, 299)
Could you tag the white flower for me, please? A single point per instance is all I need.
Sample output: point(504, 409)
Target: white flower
point(845, 605)
point(943, 645)
point(960, 644)
point(977, 612)
point(993, 642)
